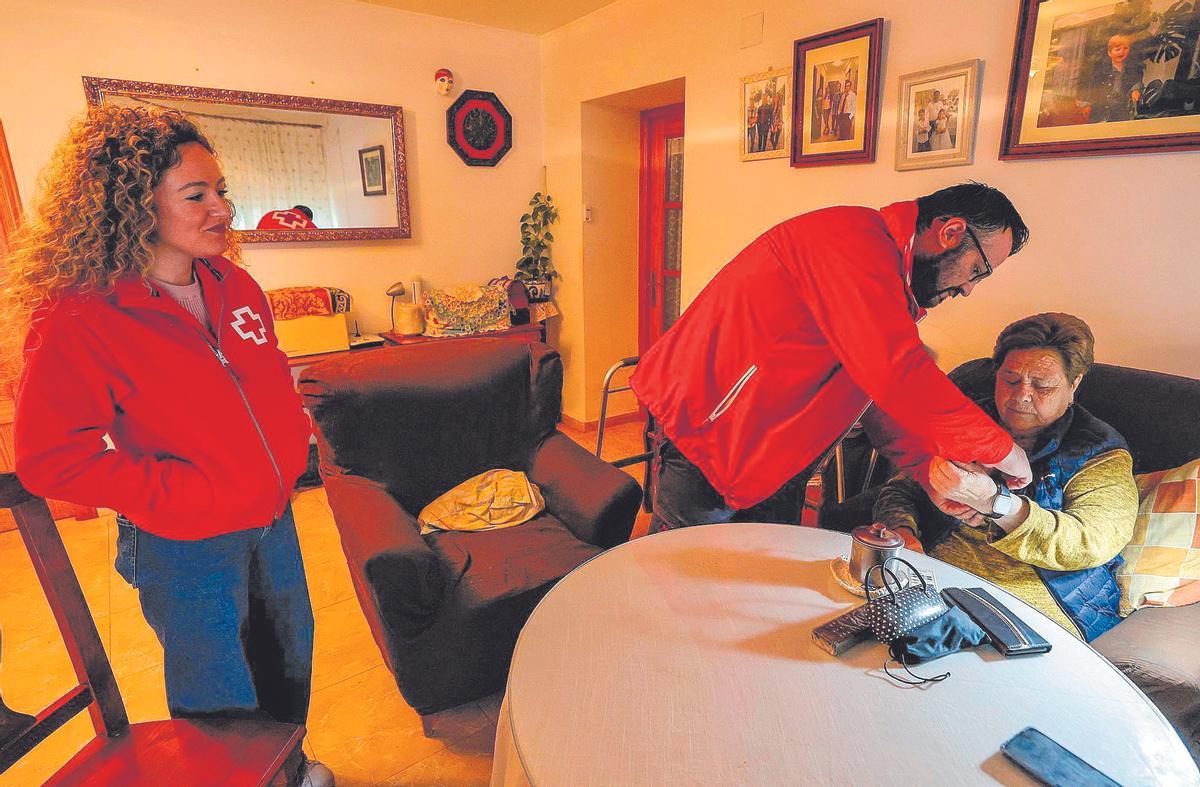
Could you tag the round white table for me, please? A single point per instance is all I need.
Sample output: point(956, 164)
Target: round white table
point(687, 658)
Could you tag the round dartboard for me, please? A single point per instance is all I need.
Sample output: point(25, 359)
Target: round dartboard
point(479, 128)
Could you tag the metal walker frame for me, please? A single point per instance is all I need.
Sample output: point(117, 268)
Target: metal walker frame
point(649, 437)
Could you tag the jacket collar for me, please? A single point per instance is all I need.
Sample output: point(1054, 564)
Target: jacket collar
point(900, 218)
point(134, 290)
point(1050, 440)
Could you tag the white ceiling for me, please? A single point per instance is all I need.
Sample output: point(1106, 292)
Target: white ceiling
point(526, 16)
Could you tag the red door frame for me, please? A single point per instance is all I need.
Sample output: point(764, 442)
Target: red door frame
point(658, 125)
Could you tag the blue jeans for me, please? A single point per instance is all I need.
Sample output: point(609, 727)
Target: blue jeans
point(233, 615)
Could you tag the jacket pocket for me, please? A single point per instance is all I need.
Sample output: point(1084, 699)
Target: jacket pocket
point(728, 399)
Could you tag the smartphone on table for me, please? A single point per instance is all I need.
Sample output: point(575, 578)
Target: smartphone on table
point(1050, 763)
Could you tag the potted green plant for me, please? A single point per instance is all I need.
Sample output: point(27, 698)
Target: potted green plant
point(535, 268)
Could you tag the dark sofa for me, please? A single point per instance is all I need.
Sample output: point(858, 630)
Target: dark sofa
point(1159, 416)
point(398, 427)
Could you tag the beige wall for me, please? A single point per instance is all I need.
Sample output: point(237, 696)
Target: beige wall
point(1111, 236)
point(1114, 240)
point(465, 219)
point(610, 144)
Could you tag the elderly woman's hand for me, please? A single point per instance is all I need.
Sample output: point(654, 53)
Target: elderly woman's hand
point(969, 485)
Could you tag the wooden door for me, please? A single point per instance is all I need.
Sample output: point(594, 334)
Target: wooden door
point(660, 230)
point(10, 217)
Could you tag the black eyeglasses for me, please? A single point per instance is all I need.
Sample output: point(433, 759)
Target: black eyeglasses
point(987, 266)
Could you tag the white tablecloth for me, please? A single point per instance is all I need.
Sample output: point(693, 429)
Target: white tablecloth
point(687, 658)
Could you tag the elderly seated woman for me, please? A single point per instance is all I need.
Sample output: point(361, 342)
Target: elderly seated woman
point(1055, 543)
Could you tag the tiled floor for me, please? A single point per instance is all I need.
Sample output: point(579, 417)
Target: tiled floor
point(358, 723)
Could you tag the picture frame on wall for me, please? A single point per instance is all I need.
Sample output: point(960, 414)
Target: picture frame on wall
point(765, 117)
point(939, 111)
point(374, 176)
point(1094, 78)
point(835, 104)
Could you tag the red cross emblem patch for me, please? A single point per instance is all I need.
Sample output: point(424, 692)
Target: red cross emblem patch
point(246, 323)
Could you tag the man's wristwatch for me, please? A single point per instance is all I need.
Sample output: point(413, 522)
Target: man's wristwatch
point(1004, 503)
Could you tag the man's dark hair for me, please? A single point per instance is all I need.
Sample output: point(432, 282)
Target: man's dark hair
point(981, 206)
point(307, 211)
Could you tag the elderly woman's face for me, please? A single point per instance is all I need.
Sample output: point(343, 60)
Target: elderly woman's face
point(1032, 389)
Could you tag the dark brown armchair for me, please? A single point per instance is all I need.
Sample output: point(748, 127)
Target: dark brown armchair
point(398, 427)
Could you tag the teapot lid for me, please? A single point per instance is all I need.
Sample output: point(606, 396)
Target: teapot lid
point(877, 535)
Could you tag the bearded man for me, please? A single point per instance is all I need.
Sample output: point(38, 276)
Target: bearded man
point(786, 347)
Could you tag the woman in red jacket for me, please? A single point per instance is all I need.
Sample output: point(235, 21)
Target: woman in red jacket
point(138, 330)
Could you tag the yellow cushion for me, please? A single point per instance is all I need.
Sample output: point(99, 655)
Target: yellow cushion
point(318, 333)
point(491, 500)
point(1162, 561)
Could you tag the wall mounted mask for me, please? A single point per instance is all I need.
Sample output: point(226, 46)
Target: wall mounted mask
point(443, 81)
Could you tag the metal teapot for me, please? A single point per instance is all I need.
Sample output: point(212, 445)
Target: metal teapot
point(871, 546)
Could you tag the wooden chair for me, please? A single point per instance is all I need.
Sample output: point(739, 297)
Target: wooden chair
point(177, 752)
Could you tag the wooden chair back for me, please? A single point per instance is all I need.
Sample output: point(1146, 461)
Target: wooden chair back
point(179, 752)
point(97, 690)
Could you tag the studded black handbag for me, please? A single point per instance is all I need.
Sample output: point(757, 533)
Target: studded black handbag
point(916, 622)
point(894, 610)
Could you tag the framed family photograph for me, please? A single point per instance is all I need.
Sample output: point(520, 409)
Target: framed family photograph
point(764, 112)
point(370, 162)
point(938, 113)
point(835, 105)
point(1101, 77)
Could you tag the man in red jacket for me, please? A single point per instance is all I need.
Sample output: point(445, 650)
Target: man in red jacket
point(791, 341)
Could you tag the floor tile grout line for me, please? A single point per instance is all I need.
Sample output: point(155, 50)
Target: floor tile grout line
point(444, 750)
point(351, 677)
point(415, 764)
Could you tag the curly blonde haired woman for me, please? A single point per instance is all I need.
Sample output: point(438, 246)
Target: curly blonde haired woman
point(136, 327)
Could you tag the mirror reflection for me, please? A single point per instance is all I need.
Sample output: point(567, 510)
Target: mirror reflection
point(303, 171)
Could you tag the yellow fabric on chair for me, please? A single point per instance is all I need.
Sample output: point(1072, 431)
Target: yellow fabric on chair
point(488, 501)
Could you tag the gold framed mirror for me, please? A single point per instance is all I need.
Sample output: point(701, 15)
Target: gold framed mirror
point(302, 169)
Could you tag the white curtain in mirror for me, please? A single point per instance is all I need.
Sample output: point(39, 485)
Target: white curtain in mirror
point(264, 159)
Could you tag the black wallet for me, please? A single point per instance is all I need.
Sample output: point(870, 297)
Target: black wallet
point(1008, 633)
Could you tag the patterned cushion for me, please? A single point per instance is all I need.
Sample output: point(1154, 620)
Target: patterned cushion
point(1162, 560)
point(462, 310)
point(288, 303)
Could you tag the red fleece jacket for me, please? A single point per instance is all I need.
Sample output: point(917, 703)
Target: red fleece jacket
point(208, 432)
point(789, 342)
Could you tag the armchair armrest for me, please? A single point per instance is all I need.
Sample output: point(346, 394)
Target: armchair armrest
point(387, 555)
point(596, 501)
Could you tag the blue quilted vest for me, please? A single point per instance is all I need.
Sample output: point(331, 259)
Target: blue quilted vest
point(1090, 597)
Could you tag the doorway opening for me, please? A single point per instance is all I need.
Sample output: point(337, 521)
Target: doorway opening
point(613, 275)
